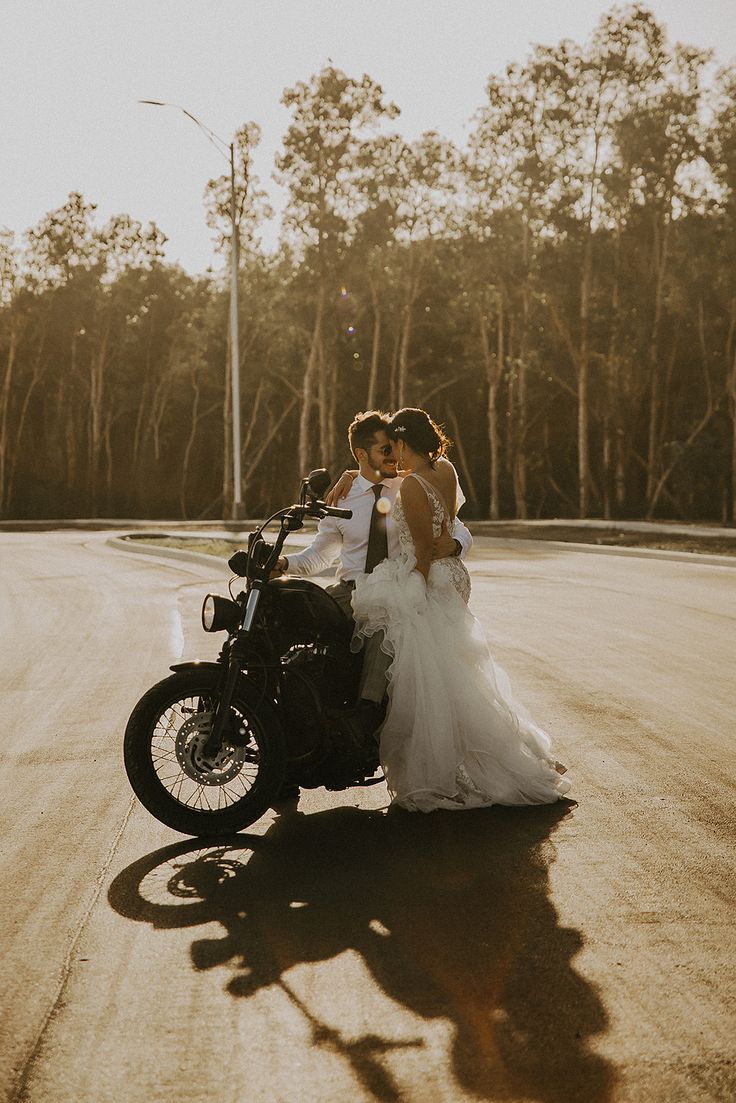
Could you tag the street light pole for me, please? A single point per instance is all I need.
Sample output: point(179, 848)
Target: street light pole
point(237, 504)
point(237, 511)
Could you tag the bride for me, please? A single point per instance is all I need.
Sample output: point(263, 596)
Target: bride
point(453, 737)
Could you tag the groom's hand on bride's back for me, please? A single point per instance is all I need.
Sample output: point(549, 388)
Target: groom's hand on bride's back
point(444, 546)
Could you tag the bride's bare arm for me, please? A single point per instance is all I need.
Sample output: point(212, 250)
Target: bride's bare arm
point(342, 488)
point(419, 519)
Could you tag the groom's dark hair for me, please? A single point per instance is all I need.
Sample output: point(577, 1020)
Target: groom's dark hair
point(363, 428)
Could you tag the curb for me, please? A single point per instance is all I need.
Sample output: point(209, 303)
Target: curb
point(120, 543)
point(701, 558)
point(138, 547)
point(593, 524)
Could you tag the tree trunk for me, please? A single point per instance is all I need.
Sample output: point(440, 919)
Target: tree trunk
point(494, 371)
point(732, 398)
point(97, 365)
point(653, 457)
point(620, 472)
point(107, 443)
point(520, 435)
point(23, 414)
point(393, 382)
point(4, 416)
point(72, 436)
point(331, 444)
point(227, 436)
point(710, 408)
point(664, 477)
point(375, 352)
point(731, 395)
point(653, 433)
point(583, 379)
point(611, 413)
point(306, 447)
point(327, 391)
point(520, 462)
point(188, 448)
point(407, 323)
point(463, 459)
point(404, 345)
point(510, 450)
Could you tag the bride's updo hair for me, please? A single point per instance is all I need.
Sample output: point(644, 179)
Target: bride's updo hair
point(420, 432)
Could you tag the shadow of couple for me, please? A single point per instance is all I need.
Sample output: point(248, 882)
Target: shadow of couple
point(450, 912)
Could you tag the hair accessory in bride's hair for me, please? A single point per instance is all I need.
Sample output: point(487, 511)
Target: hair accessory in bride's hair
point(399, 428)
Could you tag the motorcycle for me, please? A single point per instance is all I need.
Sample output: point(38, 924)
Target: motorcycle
point(208, 749)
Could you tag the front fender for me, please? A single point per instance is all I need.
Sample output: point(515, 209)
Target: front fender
point(196, 664)
point(255, 689)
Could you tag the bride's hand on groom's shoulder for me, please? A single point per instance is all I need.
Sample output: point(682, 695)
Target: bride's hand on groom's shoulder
point(341, 489)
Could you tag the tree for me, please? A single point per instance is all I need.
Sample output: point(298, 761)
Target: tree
point(722, 149)
point(331, 115)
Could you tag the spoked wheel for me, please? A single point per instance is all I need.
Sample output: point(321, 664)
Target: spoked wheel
point(178, 781)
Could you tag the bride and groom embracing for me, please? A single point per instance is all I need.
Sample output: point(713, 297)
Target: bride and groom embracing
point(453, 736)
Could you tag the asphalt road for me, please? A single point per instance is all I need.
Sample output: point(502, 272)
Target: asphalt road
point(335, 952)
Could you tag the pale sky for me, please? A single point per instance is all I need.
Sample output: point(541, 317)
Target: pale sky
point(71, 72)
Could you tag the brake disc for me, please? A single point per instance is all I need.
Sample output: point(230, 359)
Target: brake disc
point(206, 769)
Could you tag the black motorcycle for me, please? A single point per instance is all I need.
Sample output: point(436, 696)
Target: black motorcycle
point(211, 747)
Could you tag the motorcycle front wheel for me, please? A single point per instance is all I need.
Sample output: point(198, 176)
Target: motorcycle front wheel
point(181, 784)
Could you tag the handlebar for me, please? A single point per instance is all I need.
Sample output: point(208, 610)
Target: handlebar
point(333, 511)
point(264, 556)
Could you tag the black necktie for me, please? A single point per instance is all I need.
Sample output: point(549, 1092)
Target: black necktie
point(377, 539)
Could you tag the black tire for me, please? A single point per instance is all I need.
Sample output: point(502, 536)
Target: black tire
point(164, 734)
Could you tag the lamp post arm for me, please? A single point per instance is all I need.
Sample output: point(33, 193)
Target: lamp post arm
point(221, 145)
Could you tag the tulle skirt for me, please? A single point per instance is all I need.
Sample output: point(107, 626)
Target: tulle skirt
point(453, 737)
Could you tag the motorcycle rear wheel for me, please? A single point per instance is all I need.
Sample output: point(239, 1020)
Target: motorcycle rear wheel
point(170, 772)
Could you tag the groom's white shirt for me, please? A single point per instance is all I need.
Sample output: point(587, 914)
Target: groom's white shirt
point(348, 540)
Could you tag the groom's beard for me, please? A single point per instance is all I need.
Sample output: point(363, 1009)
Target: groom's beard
point(387, 472)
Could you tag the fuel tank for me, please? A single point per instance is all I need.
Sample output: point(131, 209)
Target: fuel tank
point(307, 613)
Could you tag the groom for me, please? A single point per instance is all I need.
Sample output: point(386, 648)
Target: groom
point(363, 541)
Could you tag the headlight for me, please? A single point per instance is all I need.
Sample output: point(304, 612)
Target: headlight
point(219, 614)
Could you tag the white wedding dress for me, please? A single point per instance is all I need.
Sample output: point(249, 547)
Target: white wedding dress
point(453, 736)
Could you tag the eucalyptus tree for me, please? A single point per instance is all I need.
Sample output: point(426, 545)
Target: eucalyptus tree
point(512, 171)
point(660, 146)
point(599, 85)
point(589, 90)
point(332, 114)
point(418, 182)
point(72, 272)
point(59, 261)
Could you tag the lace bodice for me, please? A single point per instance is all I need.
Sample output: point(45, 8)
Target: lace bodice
point(440, 519)
point(440, 516)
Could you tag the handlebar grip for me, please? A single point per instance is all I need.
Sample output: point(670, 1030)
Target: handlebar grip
point(333, 511)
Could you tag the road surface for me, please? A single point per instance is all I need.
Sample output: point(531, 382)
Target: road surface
point(336, 952)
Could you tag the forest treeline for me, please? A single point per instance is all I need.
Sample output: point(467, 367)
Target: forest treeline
point(560, 293)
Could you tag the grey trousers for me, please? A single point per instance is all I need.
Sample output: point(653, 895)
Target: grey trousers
point(375, 661)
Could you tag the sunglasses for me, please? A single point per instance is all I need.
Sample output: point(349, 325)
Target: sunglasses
point(385, 449)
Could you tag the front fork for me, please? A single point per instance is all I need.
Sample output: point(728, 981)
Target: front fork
point(238, 650)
